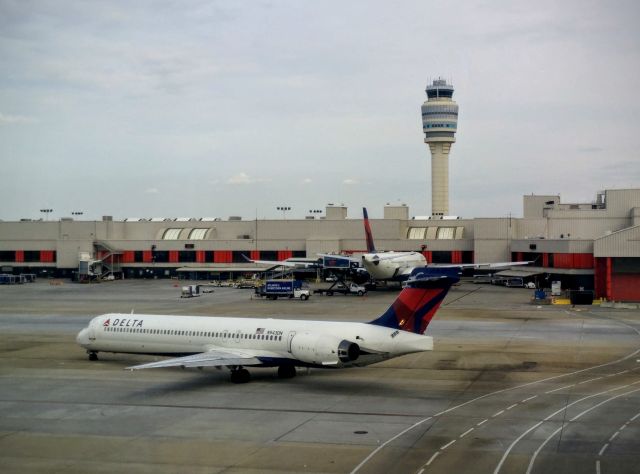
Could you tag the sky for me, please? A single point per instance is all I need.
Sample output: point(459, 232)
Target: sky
point(219, 108)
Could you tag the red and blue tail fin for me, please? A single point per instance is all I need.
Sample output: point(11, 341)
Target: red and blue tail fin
point(371, 248)
point(417, 303)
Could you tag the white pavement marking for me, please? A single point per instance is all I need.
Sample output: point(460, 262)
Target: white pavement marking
point(598, 466)
point(435, 455)
point(606, 401)
point(483, 422)
point(497, 414)
point(506, 453)
point(467, 432)
point(604, 448)
point(375, 451)
point(590, 380)
point(512, 406)
point(421, 471)
point(632, 419)
point(535, 454)
point(447, 445)
point(561, 388)
point(530, 398)
point(537, 451)
point(508, 389)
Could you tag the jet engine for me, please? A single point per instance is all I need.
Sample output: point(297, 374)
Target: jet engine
point(323, 349)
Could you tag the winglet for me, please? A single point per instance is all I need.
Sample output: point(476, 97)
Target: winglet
point(371, 248)
point(418, 302)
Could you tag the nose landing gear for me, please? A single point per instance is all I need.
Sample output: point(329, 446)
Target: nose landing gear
point(93, 355)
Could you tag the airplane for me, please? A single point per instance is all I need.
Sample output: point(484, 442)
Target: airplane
point(397, 266)
point(236, 343)
point(293, 262)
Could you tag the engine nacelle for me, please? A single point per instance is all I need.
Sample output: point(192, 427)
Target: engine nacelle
point(323, 349)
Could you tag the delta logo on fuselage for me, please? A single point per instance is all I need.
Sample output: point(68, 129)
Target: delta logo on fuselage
point(123, 323)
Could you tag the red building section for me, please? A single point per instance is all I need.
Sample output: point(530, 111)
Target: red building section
point(47, 256)
point(128, 256)
point(616, 286)
point(573, 260)
point(223, 256)
point(625, 287)
point(284, 254)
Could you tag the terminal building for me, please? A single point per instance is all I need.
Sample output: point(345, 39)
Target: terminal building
point(592, 245)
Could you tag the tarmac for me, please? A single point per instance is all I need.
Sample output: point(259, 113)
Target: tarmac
point(510, 387)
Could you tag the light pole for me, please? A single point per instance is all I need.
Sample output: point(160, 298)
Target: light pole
point(46, 213)
point(284, 209)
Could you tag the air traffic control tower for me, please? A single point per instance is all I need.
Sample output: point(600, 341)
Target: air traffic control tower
point(439, 123)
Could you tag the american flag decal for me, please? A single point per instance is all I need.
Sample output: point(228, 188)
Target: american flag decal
point(260, 331)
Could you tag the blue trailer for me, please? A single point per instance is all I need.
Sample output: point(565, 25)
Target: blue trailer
point(272, 289)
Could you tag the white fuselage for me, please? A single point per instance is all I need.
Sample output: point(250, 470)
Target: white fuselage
point(391, 265)
point(275, 339)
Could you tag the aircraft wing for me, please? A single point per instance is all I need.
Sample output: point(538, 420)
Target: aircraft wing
point(218, 357)
point(329, 256)
point(283, 263)
point(478, 265)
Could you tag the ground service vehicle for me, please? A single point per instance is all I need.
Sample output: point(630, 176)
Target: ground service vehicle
point(348, 289)
point(273, 289)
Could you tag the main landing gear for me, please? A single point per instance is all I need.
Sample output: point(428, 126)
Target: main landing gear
point(93, 355)
point(240, 375)
point(286, 371)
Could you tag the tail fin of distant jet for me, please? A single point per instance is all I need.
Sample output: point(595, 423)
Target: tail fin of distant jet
point(417, 303)
point(371, 248)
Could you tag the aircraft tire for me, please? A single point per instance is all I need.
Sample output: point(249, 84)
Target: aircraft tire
point(240, 376)
point(93, 356)
point(286, 372)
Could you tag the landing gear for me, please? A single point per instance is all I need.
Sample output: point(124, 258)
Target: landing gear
point(240, 376)
point(286, 371)
point(93, 356)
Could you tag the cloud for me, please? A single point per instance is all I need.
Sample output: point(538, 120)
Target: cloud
point(244, 178)
point(350, 181)
point(307, 181)
point(13, 119)
point(590, 149)
point(152, 191)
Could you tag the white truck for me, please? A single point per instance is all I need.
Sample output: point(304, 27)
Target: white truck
point(349, 289)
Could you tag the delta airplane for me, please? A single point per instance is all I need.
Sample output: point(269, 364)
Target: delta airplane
point(398, 266)
point(236, 343)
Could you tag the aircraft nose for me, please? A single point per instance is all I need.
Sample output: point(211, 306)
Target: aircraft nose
point(83, 337)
